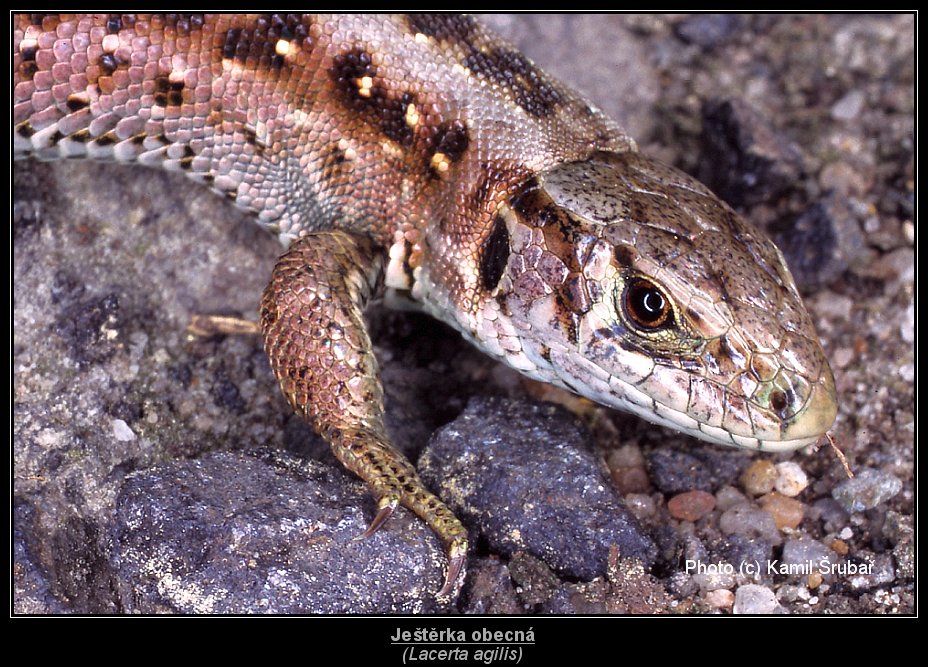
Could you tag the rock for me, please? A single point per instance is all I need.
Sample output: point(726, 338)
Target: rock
point(701, 468)
point(691, 506)
point(746, 160)
point(791, 479)
point(759, 477)
point(749, 521)
point(866, 490)
point(747, 552)
point(228, 533)
point(709, 30)
point(522, 475)
point(673, 471)
point(631, 480)
point(873, 570)
point(720, 598)
point(641, 505)
point(489, 589)
point(727, 497)
point(804, 555)
point(786, 512)
point(849, 106)
point(822, 241)
point(755, 599)
point(831, 514)
point(900, 532)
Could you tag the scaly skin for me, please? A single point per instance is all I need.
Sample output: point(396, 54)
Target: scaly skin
point(424, 156)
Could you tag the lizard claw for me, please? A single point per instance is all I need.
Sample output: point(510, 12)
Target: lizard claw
point(384, 513)
point(457, 556)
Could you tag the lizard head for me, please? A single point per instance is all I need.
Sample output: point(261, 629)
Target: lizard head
point(628, 282)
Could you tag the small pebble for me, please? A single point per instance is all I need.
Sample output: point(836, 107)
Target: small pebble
point(754, 599)
point(631, 480)
point(728, 496)
point(791, 480)
point(691, 505)
point(839, 546)
point(786, 512)
point(749, 521)
point(849, 106)
point(907, 327)
point(720, 598)
point(759, 478)
point(799, 553)
point(122, 432)
point(627, 456)
point(842, 357)
point(830, 513)
point(815, 579)
point(641, 505)
point(869, 488)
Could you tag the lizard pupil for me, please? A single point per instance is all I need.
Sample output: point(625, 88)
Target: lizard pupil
point(646, 305)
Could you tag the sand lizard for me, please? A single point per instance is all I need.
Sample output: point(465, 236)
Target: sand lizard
point(421, 157)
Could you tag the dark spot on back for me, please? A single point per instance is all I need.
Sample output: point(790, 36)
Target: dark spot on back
point(382, 108)
point(108, 63)
point(113, 24)
point(27, 70)
point(29, 52)
point(494, 255)
point(25, 130)
point(75, 103)
point(81, 136)
point(516, 73)
point(452, 139)
point(443, 27)
point(232, 42)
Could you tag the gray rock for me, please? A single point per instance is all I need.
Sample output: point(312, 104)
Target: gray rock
point(747, 552)
point(701, 468)
point(750, 521)
point(709, 30)
point(805, 555)
point(869, 570)
point(229, 533)
point(747, 160)
point(821, 242)
point(755, 599)
point(522, 475)
point(900, 531)
point(869, 488)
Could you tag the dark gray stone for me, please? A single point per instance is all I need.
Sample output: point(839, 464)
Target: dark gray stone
point(867, 489)
point(747, 161)
point(522, 475)
point(229, 533)
point(709, 30)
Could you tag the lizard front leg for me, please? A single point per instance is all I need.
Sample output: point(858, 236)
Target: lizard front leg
point(320, 351)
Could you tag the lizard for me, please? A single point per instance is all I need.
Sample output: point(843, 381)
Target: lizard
point(422, 159)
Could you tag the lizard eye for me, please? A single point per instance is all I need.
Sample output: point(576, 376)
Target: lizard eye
point(646, 306)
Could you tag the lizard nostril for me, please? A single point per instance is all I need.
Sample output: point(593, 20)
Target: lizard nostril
point(779, 402)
